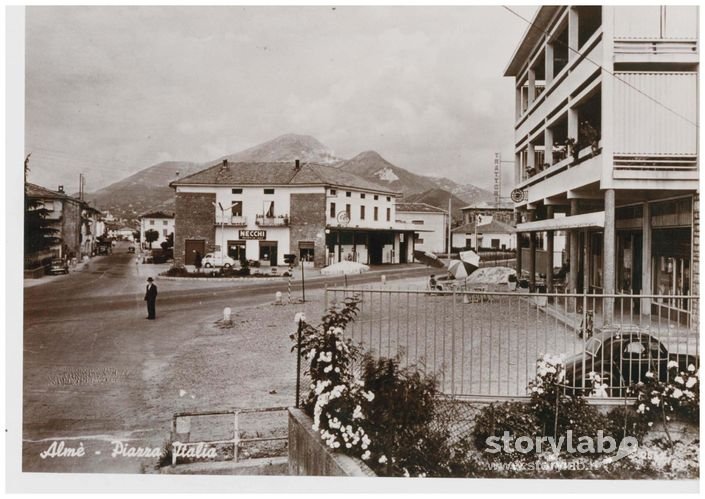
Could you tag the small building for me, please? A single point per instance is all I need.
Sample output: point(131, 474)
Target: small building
point(263, 211)
point(125, 233)
point(501, 212)
point(430, 222)
point(160, 221)
point(490, 234)
point(64, 215)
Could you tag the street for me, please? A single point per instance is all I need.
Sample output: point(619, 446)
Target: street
point(96, 371)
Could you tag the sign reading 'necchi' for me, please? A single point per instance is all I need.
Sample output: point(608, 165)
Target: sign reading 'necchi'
point(252, 234)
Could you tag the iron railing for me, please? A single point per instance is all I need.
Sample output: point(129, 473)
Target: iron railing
point(483, 343)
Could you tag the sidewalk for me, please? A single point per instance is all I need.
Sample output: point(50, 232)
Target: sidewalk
point(78, 268)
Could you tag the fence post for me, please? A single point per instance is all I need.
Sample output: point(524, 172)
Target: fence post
point(584, 335)
point(298, 362)
point(452, 346)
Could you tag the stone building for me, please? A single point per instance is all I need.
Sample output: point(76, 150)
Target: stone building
point(262, 211)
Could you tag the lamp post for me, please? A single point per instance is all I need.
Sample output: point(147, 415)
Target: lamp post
point(222, 227)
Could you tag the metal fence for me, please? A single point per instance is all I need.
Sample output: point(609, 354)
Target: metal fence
point(486, 343)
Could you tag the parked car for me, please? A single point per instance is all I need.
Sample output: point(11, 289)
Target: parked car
point(131, 249)
point(217, 260)
point(58, 266)
point(622, 359)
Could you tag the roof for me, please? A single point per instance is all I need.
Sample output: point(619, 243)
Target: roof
point(157, 214)
point(37, 191)
point(419, 208)
point(489, 205)
point(279, 173)
point(494, 227)
point(533, 34)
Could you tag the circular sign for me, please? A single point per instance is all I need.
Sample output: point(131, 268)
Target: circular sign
point(517, 195)
point(343, 218)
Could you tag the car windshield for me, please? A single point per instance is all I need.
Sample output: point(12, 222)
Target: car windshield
point(592, 346)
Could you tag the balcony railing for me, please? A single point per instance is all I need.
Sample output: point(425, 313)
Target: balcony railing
point(231, 220)
point(278, 221)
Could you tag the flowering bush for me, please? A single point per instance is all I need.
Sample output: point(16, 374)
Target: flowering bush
point(679, 396)
point(337, 398)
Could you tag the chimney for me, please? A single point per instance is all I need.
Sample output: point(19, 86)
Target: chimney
point(61, 189)
point(297, 165)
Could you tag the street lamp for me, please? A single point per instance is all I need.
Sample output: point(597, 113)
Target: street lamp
point(222, 227)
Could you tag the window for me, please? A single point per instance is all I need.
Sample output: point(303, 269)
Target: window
point(236, 250)
point(269, 191)
point(333, 192)
point(389, 214)
point(389, 198)
point(348, 194)
point(494, 243)
point(332, 210)
point(306, 251)
point(362, 212)
point(376, 197)
point(237, 209)
point(268, 209)
point(165, 232)
point(419, 240)
point(48, 205)
point(237, 191)
point(165, 222)
point(347, 210)
point(417, 222)
point(151, 222)
point(362, 195)
point(376, 214)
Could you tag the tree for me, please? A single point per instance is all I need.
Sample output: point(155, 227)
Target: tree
point(150, 236)
point(38, 233)
point(168, 243)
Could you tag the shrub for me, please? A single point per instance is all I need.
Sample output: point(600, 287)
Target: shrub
point(517, 419)
point(177, 272)
point(624, 421)
point(679, 396)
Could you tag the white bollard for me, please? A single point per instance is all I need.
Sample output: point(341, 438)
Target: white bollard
point(278, 298)
point(227, 315)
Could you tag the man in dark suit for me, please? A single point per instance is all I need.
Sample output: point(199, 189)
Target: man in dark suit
point(150, 297)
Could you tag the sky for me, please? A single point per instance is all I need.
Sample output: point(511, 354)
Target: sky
point(113, 90)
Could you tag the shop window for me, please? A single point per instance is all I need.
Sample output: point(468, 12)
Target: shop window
point(306, 251)
point(236, 250)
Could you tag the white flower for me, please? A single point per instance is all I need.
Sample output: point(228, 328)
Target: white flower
point(328, 368)
point(650, 423)
point(691, 382)
point(366, 455)
point(677, 393)
point(655, 401)
point(383, 459)
point(678, 380)
point(369, 396)
point(299, 317)
point(641, 409)
point(691, 368)
point(672, 363)
point(649, 374)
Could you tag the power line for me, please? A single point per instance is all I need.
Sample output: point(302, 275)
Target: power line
point(653, 99)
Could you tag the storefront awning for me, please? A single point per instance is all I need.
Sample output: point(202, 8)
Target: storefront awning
point(594, 220)
point(394, 228)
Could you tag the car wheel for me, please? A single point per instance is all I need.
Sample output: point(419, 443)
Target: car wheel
point(226, 266)
point(207, 265)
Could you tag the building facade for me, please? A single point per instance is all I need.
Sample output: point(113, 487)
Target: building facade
point(263, 211)
point(160, 221)
point(501, 212)
point(430, 222)
point(489, 234)
point(606, 132)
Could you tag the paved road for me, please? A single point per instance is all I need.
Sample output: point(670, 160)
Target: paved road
point(94, 367)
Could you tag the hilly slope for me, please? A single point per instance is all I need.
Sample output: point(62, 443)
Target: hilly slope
point(439, 198)
point(144, 191)
point(287, 147)
point(373, 167)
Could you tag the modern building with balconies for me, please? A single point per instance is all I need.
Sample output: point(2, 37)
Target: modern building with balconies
point(606, 133)
point(263, 211)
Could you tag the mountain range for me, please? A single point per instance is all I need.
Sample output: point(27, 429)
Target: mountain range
point(148, 189)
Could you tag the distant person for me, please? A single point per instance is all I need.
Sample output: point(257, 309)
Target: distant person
point(432, 283)
point(150, 296)
point(198, 261)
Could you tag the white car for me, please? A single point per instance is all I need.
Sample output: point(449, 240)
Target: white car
point(217, 260)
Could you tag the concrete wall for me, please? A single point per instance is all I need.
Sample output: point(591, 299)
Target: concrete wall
point(309, 456)
point(355, 200)
point(432, 241)
point(307, 223)
point(195, 219)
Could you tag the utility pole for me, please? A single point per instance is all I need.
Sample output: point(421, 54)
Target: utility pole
point(303, 283)
point(450, 240)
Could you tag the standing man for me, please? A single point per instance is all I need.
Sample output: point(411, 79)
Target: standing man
point(198, 260)
point(151, 298)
